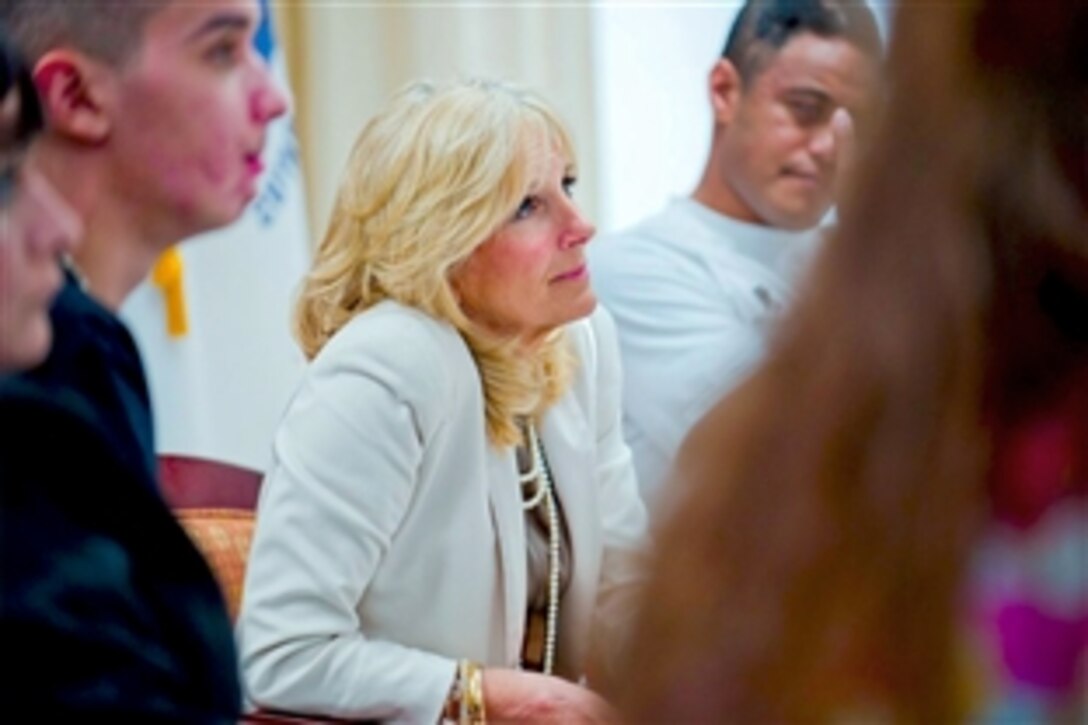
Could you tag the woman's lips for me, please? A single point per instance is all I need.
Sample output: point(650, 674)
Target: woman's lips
point(578, 272)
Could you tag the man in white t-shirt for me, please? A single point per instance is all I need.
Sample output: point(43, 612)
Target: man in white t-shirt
point(694, 288)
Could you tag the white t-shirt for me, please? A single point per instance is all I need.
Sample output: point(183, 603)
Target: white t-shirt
point(693, 293)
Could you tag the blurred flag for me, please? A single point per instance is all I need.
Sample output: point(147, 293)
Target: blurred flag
point(220, 382)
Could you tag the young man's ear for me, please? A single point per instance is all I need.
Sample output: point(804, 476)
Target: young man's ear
point(725, 87)
point(74, 91)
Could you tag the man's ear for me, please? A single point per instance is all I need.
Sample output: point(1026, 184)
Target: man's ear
point(725, 86)
point(74, 90)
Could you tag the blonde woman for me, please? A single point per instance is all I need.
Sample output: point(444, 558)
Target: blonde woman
point(451, 520)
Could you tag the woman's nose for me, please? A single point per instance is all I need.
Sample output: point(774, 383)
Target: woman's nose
point(579, 230)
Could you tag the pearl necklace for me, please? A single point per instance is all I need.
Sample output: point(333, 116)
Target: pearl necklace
point(539, 471)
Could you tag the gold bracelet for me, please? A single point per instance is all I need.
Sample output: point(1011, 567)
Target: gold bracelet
point(472, 694)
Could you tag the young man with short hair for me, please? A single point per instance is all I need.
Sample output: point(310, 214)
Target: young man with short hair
point(157, 116)
point(157, 112)
point(694, 288)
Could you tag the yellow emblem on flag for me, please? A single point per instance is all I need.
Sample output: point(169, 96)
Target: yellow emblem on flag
point(169, 276)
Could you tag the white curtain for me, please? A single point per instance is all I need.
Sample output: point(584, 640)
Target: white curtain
point(348, 58)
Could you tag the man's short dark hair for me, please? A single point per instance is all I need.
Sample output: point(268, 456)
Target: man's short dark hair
point(109, 30)
point(763, 27)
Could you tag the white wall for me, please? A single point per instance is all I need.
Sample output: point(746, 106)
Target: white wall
point(650, 68)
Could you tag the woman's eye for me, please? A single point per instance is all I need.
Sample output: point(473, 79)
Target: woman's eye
point(568, 185)
point(527, 207)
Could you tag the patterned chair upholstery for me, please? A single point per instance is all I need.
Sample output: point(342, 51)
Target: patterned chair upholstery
point(223, 537)
point(215, 503)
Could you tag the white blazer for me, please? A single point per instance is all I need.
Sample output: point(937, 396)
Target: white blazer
point(390, 538)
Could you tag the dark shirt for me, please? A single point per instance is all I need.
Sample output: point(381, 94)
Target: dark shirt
point(106, 608)
point(94, 357)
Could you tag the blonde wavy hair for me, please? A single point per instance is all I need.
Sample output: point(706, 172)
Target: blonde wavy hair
point(430, 179)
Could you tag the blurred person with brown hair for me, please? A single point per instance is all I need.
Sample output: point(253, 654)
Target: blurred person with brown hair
point(889, 519)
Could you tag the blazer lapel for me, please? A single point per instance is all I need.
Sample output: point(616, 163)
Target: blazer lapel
point(508, 521)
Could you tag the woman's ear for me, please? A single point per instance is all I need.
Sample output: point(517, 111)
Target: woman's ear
point(725, 86)
point(74, 89)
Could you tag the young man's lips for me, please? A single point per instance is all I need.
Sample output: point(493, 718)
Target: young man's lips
point(809, 178)
point(254, 165)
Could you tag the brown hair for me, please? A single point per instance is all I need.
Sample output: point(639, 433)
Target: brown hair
point(814, 568)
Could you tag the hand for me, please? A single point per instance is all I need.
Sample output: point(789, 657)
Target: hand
point(512, 695)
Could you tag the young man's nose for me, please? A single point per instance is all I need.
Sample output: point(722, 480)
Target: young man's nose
point(269, 98)
point(833, 137)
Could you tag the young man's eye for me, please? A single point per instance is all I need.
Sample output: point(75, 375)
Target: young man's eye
point(528, 205)
point(806, 112)
point(225, 52)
